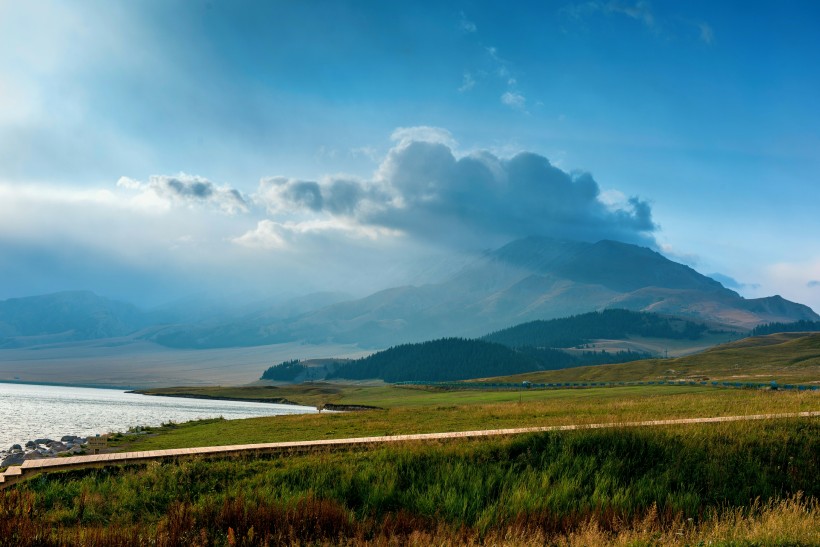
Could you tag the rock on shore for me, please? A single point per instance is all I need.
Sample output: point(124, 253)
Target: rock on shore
point(68, 445)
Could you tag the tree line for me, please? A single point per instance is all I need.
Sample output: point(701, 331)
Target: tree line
point(451, 359)
point(578, 330)
point(797, 326)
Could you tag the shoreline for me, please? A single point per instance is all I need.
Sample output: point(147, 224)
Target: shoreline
point(65, 384)
point(333, 407)
point(23, 438)
point(273, 400)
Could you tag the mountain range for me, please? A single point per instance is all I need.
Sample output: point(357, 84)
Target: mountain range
point(528, 279)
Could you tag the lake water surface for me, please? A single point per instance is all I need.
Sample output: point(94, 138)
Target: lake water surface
point(29, 412)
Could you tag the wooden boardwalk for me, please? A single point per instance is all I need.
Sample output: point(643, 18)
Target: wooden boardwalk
point(30, 468)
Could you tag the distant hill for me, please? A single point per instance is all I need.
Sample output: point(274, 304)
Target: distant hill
point(609, 324)
point(77, 315)
point(783, 357)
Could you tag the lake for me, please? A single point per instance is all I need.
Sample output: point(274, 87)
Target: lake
point(29, 412)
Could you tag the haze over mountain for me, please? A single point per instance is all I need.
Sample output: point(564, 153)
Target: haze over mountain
point(527, 279)
point(536, 278)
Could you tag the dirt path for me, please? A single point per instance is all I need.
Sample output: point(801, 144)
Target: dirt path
point(30, 468)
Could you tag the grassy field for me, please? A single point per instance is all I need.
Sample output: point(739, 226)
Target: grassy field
point(733, 483)
point(788, 358)
point(741, 483)
point(408, 410)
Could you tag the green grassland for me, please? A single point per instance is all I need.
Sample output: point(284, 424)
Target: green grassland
point(408, 410)
point(731, 484)
point(738, 483)
point(787, 358)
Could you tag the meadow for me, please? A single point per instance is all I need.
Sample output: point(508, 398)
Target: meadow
point(418, 410)
point(785, 358)
point(734, 483)
point(731, 483)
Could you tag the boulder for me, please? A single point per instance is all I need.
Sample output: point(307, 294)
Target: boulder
point(13, 459)
point(16, 448)
point(43, 441)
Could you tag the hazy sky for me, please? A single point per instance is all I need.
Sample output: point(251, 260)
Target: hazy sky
point(156, 148)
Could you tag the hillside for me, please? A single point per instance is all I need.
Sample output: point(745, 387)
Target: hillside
point(75, 315)
point(608, 324)
point(783, 357)
point(449, 359)
point(437, 361)
point(529, 279)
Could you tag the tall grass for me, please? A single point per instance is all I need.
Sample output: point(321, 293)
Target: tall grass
point(698, 481)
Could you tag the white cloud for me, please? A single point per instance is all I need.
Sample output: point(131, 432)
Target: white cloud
point(466, 25)
point(467, 83)
point(796, 280)
point(639, 10)
point(272, 235)
point(267, 235)
point(613, 199)
point(671, 252)
point(423, 133)
point(514, 100)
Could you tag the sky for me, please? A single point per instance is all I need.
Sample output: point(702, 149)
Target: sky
point(156, 149)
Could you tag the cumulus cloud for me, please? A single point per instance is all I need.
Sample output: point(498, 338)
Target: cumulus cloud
point(423, 189)
point(188, 190)
point(424, 199)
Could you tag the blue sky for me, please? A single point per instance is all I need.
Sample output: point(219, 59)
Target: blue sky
point(151, 148)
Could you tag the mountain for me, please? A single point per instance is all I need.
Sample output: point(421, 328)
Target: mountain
point(195, 321)
point(532, 279)
point(529, 279)
point(74, 315)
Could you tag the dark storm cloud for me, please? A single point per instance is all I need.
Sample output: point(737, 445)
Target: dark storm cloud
point(424, 190)
point(190, 189)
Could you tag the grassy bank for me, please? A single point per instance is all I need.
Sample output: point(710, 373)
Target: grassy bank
point(430, 411)
point(735, 481)
point(786, 358)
